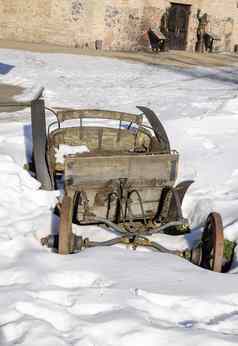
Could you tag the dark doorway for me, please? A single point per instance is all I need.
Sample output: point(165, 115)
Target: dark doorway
point(178, 26)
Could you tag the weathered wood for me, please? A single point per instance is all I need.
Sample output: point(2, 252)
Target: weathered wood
point(39, 140)
point(98, 140)
point(140, 167)
point(100, 178)
point(178, 20)
point(68, 114)
point(213, 243)
point(65, 229)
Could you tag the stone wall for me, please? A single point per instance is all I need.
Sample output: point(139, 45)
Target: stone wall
point(223, 21)
point(119, 24)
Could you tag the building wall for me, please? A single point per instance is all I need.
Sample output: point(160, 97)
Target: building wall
point(223, 21)
point(119, 24)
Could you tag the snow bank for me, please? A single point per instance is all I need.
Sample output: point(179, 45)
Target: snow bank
point(22, 204)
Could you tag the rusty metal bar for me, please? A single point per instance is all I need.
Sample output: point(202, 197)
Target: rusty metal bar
point(137, 241)
point(120, 230)
point(39, 140)
point(114, 241)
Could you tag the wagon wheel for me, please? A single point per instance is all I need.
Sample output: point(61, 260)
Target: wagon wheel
point(65, 228)
point(213, 243)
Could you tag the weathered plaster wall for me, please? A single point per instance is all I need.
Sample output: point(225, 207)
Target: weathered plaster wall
point(62, 22)
point(118, 23)
point(223, 21)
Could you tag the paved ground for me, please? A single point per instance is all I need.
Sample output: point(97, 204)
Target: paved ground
point(173, 58)
point(7, 93)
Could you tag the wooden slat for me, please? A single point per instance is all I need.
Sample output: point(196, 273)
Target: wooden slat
point(65, 228)
point(97, 113)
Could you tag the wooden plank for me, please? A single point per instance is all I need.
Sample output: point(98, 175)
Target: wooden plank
point(65, 228)
point(85, 169)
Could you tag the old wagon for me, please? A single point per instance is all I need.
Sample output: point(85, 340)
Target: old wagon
point(125, 180)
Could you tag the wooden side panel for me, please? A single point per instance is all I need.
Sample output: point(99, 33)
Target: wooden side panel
point(99, 177)
point(120, 175)
point(156, 167)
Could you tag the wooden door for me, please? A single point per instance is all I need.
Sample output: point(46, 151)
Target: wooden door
point(178, 26)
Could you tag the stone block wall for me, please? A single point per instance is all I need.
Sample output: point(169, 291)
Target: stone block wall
point(119, 24)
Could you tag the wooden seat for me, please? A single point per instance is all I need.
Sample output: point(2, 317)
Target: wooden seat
point(96, 139)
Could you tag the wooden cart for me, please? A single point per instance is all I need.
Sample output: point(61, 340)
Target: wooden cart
point(125, 181)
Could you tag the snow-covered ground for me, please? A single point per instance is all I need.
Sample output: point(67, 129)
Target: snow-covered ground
point(116, 296)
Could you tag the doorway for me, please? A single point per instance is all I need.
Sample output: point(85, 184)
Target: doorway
point(178, 21)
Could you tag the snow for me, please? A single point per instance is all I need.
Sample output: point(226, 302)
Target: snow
point(116, 296)
point(65, 150)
